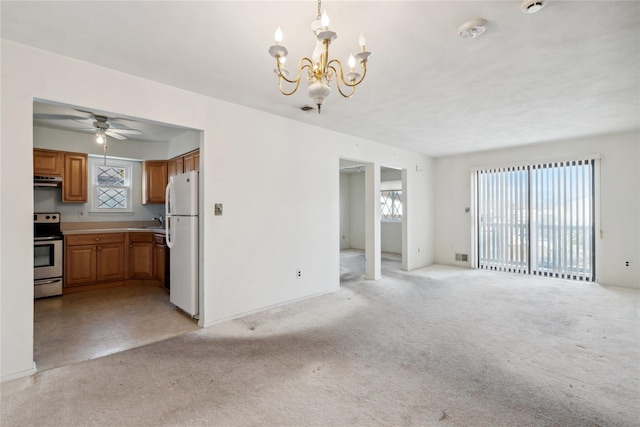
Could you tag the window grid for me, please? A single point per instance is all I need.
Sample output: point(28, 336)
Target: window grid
point(391, 205)
point(111, 187)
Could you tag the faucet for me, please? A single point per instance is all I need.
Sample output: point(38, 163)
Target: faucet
point(160, 219)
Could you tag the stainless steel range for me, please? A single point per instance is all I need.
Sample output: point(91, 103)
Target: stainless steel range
point(47, 254)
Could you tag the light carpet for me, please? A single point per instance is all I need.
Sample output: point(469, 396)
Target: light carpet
point(435, 347)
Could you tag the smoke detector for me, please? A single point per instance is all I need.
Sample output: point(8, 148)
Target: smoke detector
point(532, 6)
point(472, 29)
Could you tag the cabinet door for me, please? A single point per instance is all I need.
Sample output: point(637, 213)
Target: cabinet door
point(141, 260)
point(80, 265)
point(176, 166)
point(158, 263)
point(110, 261)
point(189, 163)
point(47, 162)
point(196, 160)
point(154, 181)
point(74, 182)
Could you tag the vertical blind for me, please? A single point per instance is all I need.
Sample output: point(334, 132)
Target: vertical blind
point(537, 219)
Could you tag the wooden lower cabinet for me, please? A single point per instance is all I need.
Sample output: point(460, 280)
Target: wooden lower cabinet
point(141, 254)
point(110, 259)
point(110, 262)
point(80, 265)
point(158, 258)
point(93, 258)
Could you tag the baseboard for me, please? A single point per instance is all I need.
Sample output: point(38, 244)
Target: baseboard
point(20, 374)
point(269, 307)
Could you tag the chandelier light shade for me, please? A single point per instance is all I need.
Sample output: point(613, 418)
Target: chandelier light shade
point(319, 70)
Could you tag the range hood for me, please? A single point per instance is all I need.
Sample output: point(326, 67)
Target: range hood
point(47, 181)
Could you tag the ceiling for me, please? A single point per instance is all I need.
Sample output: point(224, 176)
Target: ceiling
point(570, 70)
point(44, 115)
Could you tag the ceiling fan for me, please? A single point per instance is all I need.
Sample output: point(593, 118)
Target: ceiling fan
point(99, 124)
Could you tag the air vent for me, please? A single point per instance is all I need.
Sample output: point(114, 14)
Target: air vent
point(462, 257)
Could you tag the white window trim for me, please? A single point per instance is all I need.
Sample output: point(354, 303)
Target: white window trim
point(93, 185)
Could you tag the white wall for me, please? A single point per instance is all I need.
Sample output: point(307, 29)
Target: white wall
point(357, 231)
point(248, 256)
point(619, 204)
point(184, 143)
point(345, 210)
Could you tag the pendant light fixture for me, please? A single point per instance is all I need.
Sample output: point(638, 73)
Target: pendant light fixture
point(320, 70)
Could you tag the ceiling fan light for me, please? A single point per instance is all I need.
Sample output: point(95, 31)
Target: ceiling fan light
point(101, 137)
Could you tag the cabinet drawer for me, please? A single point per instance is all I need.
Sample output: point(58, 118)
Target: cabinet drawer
point(89, 239)
point(158, 239)
point(81, 239)
point(111, 238)
point(141, 237)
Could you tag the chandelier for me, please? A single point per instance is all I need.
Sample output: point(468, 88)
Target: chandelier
point(320, 70)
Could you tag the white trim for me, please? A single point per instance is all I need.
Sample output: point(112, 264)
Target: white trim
point(20, 374)
point(93, 185)
point(206, 324)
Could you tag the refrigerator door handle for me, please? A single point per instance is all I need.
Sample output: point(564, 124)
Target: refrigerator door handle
point(167, 214)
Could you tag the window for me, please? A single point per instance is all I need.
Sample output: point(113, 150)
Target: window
point(537, 219)
point(111, 187)
point(391, 205)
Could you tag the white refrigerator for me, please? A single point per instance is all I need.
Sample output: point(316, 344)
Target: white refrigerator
point(181, 225)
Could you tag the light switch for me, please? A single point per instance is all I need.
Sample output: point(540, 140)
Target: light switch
point(218, 209)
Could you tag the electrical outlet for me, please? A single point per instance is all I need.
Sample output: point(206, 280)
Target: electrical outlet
point(626, 263)
point(298, 274)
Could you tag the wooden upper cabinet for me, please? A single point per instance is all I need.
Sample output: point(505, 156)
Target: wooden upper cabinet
point(185, 163)
point(47, 162)
point(176, 166)
point(189, 162)
point(196, 160)
point(154, 181)
point(74, 181)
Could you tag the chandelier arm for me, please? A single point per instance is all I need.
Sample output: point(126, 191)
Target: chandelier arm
point(353, 88)
point(300, 68)
point(346, 83)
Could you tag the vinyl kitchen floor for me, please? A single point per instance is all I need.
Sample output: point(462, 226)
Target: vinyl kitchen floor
point(82, 326)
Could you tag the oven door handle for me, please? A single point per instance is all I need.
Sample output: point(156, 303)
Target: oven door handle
point(42, 239)
point(46, 281)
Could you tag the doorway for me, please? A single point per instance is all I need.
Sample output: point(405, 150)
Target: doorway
point(80, 326)
point(387, 236)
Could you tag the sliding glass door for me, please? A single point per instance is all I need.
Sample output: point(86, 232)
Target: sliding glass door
point(537, 219)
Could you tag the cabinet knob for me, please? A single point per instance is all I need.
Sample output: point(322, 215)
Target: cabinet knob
point(94, 248)
point(97, 238)
point(130, 246)
point(99, 247)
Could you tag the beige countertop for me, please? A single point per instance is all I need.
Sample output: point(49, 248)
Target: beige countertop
point(156, 230)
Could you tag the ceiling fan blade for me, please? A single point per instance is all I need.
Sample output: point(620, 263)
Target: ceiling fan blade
point(86, 122)
point(58, 117)
point(115, 135)
point(125, 131)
